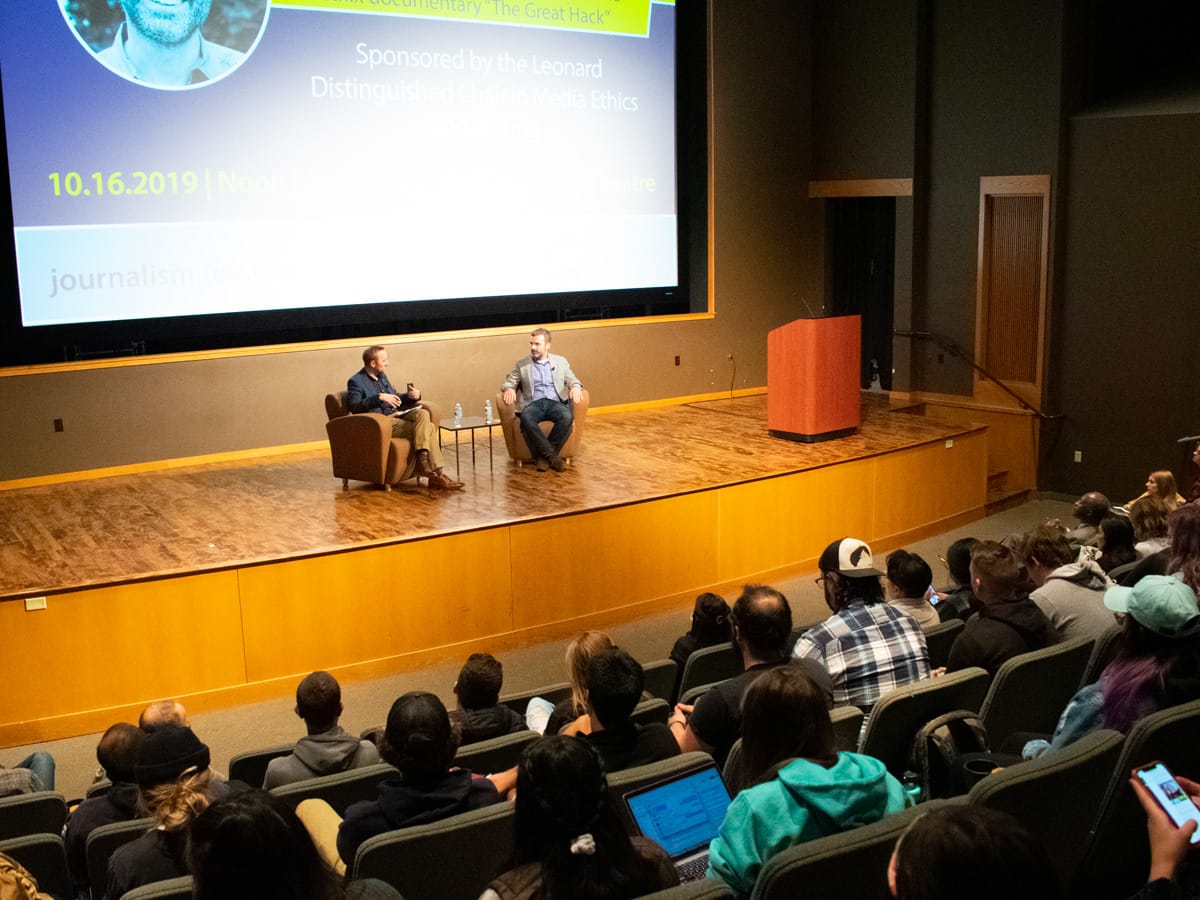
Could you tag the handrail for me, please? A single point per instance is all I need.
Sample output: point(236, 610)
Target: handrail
point(955, 350)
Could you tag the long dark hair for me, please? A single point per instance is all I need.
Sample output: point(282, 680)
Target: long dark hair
point(1183, 527)
point(1118, 548)
point(710, 620)
point(562, 796)
point(252, 845)
point(784, 716)
point(1145, 673)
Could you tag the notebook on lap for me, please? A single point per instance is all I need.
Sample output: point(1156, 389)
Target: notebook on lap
point(682, 814)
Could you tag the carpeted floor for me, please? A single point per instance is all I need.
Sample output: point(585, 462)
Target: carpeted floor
point(241, 728)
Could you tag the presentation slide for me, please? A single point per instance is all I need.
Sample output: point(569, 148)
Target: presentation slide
point(192, 157)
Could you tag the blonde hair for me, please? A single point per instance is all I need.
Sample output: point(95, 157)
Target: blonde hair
point(1165, 490)
point(579, 651)
point(175, 804)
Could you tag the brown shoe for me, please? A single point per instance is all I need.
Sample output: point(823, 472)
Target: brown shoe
point(557, 463)
point(424, 468)
point(441, 482)
point(455, 483)
point(542, 465)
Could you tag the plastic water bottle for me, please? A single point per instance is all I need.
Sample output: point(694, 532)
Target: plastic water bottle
point(487, 412)
point(457, 413)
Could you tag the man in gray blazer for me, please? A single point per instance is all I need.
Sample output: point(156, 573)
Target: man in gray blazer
point(545, 384)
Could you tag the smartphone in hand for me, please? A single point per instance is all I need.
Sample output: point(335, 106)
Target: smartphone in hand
point(1170, 795)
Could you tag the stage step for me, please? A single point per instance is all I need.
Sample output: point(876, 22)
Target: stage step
point(1002, 499)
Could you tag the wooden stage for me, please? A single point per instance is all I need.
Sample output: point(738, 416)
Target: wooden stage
point(222, 583)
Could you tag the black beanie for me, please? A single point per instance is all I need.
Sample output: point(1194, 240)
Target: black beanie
point(168, 752)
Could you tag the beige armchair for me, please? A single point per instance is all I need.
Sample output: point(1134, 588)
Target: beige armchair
point(518, 450)
point(362, 446)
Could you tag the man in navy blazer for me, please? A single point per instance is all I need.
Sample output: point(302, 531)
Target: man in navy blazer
point(541, 384)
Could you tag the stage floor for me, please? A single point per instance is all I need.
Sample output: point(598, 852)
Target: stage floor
point(227, 515)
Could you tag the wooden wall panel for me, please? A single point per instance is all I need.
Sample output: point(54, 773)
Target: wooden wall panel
point(781, 521)
point(923, 485)
point(120, 645)
point(373, 604)
point(598, 561)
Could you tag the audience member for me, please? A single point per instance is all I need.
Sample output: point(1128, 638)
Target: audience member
point(614, 686)
point(175, 785)
point(420, 743)
point(1008, 622)
point(1170, 844)
point(579, 651)
point(163, 712)
point(32, 774)
point(867, 646)
point(17, 883)
point(1160, 484)
point(117, 754)
point(252, 846)
point(971, 851)
point(762, 623)
point(541, 384)
point(1068, 584)
point(570, 844)
point(802, 788)
point(1157, 663)
point(1116, 543)
point(1182, 554)
point(479, 714)
point(710, 625)
point(909, 582)
point(326, 748)
point(1090, 511)
point(959, 603)
point(1149, 519)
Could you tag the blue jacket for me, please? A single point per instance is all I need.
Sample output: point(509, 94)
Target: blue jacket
point(803, 802)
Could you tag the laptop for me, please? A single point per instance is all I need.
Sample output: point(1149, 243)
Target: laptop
point(682, 814)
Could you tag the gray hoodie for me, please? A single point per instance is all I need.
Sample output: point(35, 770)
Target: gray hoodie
point(1073, 599)
point(320, 754)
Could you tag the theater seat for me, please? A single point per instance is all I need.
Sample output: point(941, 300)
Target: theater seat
point(518, 450)
point(362, 447)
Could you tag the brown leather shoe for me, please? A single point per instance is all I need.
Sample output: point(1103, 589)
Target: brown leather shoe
point(439, 481)
point(557, 463)
point(424, 468)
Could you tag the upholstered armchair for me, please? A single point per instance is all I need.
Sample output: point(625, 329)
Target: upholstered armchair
point(518, 450)
point(362, 445)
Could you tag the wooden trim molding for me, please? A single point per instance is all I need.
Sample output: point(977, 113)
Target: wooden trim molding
point(863, 187)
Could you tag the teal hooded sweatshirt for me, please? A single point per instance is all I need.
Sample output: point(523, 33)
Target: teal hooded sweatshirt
point(803, 802)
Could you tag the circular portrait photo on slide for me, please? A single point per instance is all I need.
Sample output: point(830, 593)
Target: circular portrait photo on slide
point(169, 44)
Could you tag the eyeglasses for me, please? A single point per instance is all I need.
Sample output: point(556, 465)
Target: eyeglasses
point(819, 582)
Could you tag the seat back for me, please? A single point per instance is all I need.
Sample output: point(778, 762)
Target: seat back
point(514, 441)
point(337, 405)
point(621, 783)
point(653, 710)
point(172, 889)
point(847, 866)
point(42, 812)
point(847, 727)
point(1103, 652)
point(661, 676)
point(495, 754)
point(339, 790)
point(1117, 856)
point(940, 638)
point(98, 788)
point(1058, 796)
point(251, 767)
point(104, 841)
point(1030, 691)
point(692, 694)
point(702, 889)
point(45, 858)
point(709, 665)
point(453, 859)
point(555, 693)
point(899, 714)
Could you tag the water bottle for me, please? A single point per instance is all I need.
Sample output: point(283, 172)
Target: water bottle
point(457, 413)
point(911, 782)
point(487, 412)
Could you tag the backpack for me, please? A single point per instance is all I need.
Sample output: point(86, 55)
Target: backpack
point(16, 883)
point(937, 747)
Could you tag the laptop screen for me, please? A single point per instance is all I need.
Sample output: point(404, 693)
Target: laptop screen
point(683, 813)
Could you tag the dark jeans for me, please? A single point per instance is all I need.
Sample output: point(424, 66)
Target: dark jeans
point(546, 411)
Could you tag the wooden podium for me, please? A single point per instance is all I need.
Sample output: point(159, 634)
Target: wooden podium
point(813, 371)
